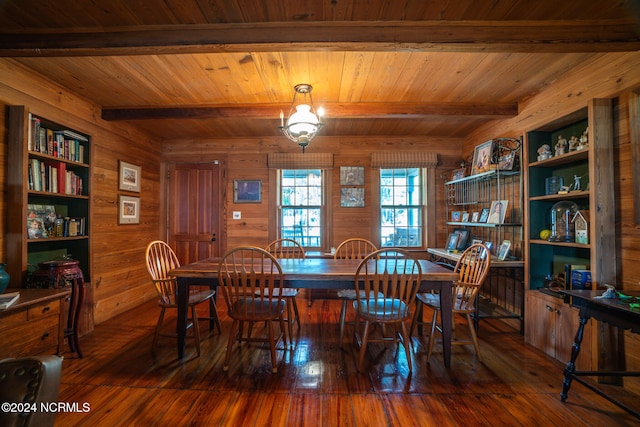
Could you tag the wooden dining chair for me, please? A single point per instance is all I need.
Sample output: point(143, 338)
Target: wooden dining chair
point(472, 266)
point(390, 279)
point(251, 280)
point(160, 259)
point(288, 249)
point(354, 248)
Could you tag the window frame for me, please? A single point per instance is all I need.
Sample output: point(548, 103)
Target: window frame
point(275, 176)
point(426, 194)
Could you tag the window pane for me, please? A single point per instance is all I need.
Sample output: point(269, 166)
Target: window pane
point(401, 207)
point(301, 209)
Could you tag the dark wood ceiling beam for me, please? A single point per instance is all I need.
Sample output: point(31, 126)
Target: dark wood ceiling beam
point(395, 110)
point(436, 36)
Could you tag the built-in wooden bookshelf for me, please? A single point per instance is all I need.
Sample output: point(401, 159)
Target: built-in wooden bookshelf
point(48, 191)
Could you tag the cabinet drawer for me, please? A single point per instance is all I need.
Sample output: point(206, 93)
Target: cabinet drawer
point(15, 318)
point(39, 336)
point(44, 309)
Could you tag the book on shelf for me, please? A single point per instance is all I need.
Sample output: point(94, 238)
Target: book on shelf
point(8, 299)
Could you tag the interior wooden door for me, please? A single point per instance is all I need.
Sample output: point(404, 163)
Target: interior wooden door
point(194, 210)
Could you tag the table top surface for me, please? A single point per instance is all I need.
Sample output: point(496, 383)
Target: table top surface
point(495, 262)
point(313, 269)
point(29, 297)
point(618, 304)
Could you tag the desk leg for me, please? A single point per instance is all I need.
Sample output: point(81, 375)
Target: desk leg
point(181, 324)
point(571, 366)
point(446, 315)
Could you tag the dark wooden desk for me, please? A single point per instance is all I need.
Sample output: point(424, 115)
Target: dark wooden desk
point(615, 312)
point(316, 273)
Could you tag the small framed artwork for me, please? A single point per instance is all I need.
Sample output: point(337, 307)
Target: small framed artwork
point(463, 238)
point(505, 247)
point(465, 217)
point(456, 216)
point(476, 241)
point(128, 210)
point(457, 174)
point(489, 246)
point(475, 217)
point(129, 177)
point(351, 175)
point(352, 197)
point(247, 191)
point(484, 215)
point(452, 241)
point(497, 211)
point(506, 162)
point(482, 157)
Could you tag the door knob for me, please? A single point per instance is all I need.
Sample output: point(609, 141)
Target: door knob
point(213, 237)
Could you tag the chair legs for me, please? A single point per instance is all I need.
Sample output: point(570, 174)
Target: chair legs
point(343, 315)
point(472, 332)
point(236, 334)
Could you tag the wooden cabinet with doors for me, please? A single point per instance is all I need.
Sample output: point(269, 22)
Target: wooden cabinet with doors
point(588, 166)
point(554, 328)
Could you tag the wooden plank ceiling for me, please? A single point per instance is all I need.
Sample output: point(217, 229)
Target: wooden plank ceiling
point(225, 68)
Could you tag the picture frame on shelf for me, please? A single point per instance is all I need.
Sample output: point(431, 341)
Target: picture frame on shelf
point(128, 209)
point(475, 216)
point(497, 211)
point(465, 216)
point(484, 215)
point(129, 176)
point(458, 174)
point(247, 191)
point(476, 241)
point(452, 241)
point(482, 155)
point(489, 246)
point(352, 197)
point(507, 161)
point(463, 238)
point(351, 175)
point(503, 252)
point(456, 216)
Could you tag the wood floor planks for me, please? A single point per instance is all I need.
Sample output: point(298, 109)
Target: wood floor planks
point(317, 383)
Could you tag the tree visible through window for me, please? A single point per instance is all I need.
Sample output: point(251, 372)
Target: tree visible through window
point(401, 207)
point(301, 205)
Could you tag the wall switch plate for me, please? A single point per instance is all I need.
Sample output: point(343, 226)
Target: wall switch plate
point(237, 215)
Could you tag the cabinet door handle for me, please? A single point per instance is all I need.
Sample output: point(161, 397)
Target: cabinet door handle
point(549, 308)
point(45, 336)
point(45, 309)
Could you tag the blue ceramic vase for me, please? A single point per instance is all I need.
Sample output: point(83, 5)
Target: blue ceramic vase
point(4, 278)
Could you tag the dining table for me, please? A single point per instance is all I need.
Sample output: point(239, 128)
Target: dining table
point(314, 273)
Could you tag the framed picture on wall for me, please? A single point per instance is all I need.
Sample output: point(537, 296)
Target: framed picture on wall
point(128, 210)
point(129, 177)
point(352, 197)
point(247, 191)
point(351, 175)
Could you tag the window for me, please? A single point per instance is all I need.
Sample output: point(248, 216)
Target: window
point(301, 206)
point(401, 207)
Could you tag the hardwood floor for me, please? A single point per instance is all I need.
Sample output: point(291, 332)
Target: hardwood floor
point(317, 383)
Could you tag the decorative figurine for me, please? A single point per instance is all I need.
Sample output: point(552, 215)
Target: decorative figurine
point(544, 152)
point(573, 143)
point(584, 140)
point(576, 183)
point(561, 146)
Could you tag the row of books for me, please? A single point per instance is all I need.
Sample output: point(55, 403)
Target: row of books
point(43, 222)
point(53, 177)
point(65, 144)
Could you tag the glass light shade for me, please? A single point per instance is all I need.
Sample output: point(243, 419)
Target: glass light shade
point(303, 121)
point(562, 227)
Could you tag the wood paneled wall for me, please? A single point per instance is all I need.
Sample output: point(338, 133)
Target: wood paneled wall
point(119, 277)
point(247, 159)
